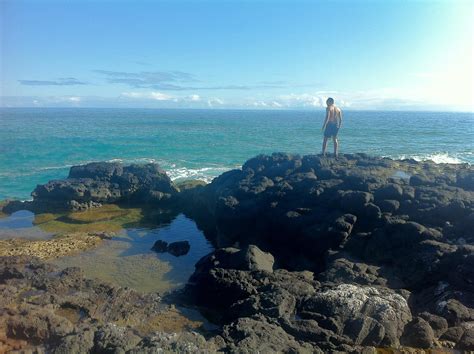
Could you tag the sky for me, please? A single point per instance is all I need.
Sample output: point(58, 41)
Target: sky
point(259, 54)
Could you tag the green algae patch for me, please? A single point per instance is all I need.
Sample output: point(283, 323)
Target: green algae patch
point(105, 213)
point(108, 218)
point(43, 218)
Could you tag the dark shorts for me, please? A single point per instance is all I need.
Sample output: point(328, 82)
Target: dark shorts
point(331, 130)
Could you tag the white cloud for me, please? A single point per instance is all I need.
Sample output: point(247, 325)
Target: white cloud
point(161, 96)
point(133, 94)
point(194, 98)
point(387, 98)
point(292, 99)
point(153, 95)
point(214, 101)
point(74, 99)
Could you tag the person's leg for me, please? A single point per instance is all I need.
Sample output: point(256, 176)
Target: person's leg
point(336, 145)
point(325, 143)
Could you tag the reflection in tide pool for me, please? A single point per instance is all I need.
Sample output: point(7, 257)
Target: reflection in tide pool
point(127, 260)
point(20, 225)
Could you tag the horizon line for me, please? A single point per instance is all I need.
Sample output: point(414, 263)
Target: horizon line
point(245, 109)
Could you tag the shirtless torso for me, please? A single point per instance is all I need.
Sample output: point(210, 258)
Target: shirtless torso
point(333, 115)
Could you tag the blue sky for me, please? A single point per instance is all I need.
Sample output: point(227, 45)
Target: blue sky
point(238, 54)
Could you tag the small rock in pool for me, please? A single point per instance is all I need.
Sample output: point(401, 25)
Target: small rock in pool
point(179, 248)
point(160, 246)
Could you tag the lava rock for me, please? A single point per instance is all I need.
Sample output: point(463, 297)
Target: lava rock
point(347, 302)
point(418, 334)
point(179, 248)
point(160, 246)
point(95, 183)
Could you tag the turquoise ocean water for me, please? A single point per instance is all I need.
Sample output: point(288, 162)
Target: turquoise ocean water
point(40, 144)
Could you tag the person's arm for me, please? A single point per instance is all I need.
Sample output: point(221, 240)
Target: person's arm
point(326, 119)
point(340, 119)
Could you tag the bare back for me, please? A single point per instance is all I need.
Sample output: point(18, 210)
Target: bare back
point(334, 114)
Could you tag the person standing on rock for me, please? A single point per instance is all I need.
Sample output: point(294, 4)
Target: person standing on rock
point(331, 125)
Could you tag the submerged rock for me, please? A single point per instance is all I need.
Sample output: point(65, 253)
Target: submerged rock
point(179, 248)
point(160, 246)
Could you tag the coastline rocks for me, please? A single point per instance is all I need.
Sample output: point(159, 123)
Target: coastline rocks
point(90, 185)
point(312, 254)
point(288, 204)
point(253, 304)
point(386, 240)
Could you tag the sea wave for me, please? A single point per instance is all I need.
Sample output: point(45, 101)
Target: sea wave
point(47, 168)
point(176, 171)
point(205, 173)
point(134, 160)
point(434, 157)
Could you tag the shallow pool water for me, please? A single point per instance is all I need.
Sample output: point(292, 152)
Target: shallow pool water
point(127, 260)
point(20, 225)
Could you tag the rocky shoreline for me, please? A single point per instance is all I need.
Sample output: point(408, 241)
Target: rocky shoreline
point(312, 254)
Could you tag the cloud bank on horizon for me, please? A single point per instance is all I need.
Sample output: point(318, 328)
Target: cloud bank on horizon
point(238, 54)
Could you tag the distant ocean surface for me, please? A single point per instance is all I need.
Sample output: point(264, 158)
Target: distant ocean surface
point(40, 144)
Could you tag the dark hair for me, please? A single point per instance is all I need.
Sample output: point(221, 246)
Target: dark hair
point(330, 100)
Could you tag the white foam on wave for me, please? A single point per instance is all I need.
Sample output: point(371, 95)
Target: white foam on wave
point(205, 173)
point(134, 160)
point(47, 168)
point(175, 172)
point(435, 157)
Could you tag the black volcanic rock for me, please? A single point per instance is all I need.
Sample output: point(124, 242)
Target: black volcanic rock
point(418, 334)
point(160, 246)
point(383, 248)
point(179, 248)
point(102, 182)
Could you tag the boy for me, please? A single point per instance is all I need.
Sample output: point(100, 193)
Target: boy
point(331, 125)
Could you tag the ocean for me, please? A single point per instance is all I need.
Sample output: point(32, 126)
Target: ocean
point(40, 144)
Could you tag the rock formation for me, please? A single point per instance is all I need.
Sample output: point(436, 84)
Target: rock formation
point(91, 185)
point(392, 258)
point(312, 254)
